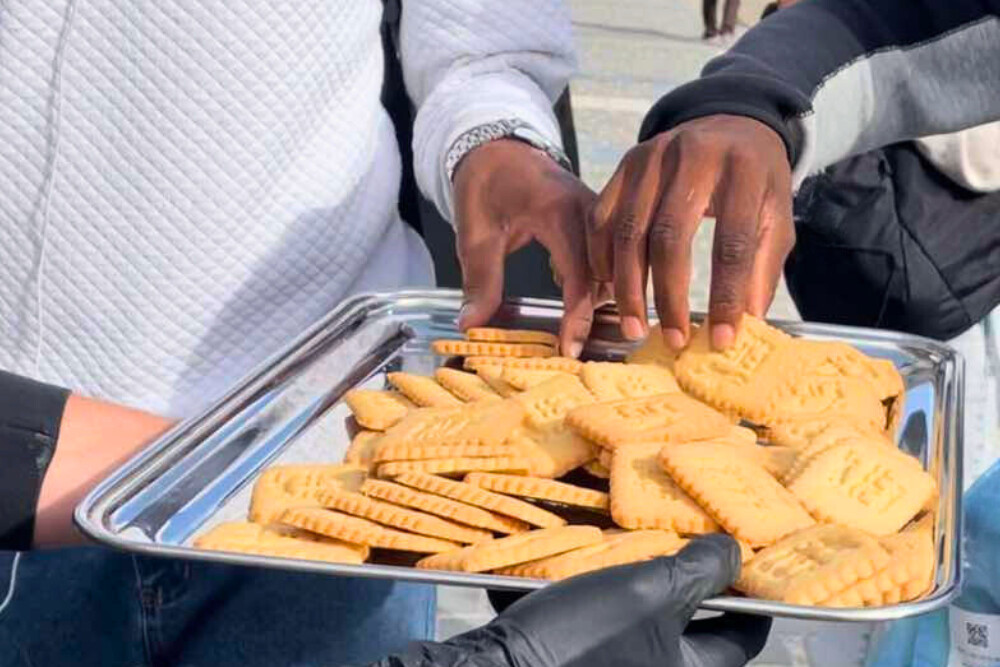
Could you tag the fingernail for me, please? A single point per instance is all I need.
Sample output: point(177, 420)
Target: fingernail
point(463, 315)
point(574, 349)
point(632, 328)
point(674, 339)
point(723, 336)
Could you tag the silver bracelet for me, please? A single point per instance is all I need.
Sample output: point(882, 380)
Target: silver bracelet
point(510, 128)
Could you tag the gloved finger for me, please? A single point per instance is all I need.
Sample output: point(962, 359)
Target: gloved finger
point(705, 567)
point(729, 640)
point(481, 254)
point(500, 600)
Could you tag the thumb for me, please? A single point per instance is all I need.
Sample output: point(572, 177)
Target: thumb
point(729, 640)
point(481, 253)
point(705, 567)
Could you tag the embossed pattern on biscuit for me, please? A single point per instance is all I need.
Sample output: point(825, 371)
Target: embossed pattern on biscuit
point(813, 565)
point(664, 418)
point(609, 381)
point(644, 496)
point(740, 495)
point(467, 386)
point(871, 488)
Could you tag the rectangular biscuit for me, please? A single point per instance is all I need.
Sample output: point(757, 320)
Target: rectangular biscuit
point(284, 486)
point(741, 496)
point(871, 488)
point(467, 386)
point(617, 548)
point(520, 548)
point(424, 452)
point(377, 410)
point(644, 496)
point(460, 512)
point(539, 488)
point(736, 379)
point(423, 391)
point(341, 526)
point(486, 423)
point(565, 364)
point(473, 495)
point(493, 335)
point(609, 381)
point(467, 348)
point(812, 565)
point(281, 542)
point(663, 418)
point(457, 466)
point(395, 516)
point(523, 379)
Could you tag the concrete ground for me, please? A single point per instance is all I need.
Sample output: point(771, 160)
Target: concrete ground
point(631, 52)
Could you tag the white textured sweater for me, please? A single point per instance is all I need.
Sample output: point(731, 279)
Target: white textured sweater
point(187, 184)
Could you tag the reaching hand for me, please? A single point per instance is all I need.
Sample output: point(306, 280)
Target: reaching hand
point(506, 194)
point(646, 217)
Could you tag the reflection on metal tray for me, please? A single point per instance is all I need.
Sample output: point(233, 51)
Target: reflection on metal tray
point(289, 410)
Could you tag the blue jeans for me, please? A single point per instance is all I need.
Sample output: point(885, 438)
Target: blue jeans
point(92, 606)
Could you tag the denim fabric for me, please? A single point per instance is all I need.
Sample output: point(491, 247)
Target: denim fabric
point(91, 606)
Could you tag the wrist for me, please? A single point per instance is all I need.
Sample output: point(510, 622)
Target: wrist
point(513, 130)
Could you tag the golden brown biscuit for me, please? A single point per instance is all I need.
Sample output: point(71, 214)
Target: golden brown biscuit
point(279, 541)
point(741, 496)
point(473, 495)
point(539, 488)
point(644, 496)
point(662, 418)
point(377, 410)
point(284, 486)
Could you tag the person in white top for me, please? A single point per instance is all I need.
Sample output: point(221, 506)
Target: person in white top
point(185, 185)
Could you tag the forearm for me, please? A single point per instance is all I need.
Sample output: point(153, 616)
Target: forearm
point(94, 438)
point(839, 77)
point(55, 446)
point(472, 62)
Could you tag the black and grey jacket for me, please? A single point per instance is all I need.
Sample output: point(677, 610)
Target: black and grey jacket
point(883, 240)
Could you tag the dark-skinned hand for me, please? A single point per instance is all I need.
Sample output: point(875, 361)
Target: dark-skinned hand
point(645, 221)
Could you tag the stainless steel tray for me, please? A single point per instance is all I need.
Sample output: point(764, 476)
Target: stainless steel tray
point(289, 410)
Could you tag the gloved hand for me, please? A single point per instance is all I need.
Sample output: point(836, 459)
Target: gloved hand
point(633, 615)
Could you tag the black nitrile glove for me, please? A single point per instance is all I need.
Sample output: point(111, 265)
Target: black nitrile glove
point(629, 616)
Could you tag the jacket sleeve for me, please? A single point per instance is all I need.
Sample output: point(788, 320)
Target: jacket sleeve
point(840, 77)
point(471, 62)
point(30, 415)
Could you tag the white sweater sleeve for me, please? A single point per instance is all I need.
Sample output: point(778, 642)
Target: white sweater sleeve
point(470, 62)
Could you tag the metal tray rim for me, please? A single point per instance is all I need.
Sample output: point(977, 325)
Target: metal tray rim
point(89, 512)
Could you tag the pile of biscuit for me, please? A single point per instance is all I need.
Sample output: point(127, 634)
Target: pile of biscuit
point(531, 464)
